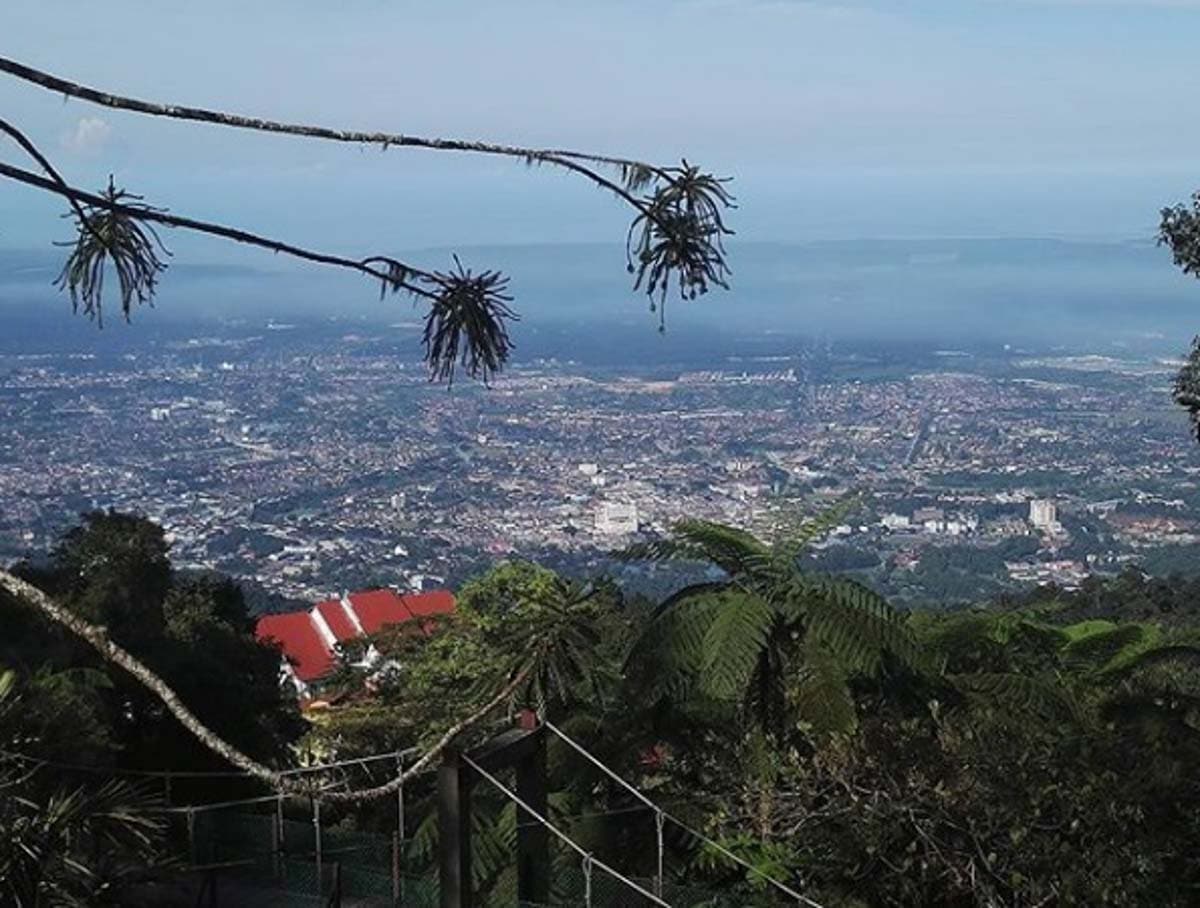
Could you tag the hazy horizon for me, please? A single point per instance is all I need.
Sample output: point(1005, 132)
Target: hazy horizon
point(836, 118)
point(841, 121)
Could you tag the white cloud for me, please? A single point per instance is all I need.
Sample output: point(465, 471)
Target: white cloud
point(88, 136)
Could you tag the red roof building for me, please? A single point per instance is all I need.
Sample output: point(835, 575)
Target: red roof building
point(308, 639)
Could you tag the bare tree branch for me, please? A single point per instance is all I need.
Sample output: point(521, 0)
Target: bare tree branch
point(373, 267)
point(635, 172)
point(116, 655)
point(677, 231)
point(21, 139)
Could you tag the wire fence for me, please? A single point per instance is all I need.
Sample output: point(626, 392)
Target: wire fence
point(263, 858)
point(278, 854)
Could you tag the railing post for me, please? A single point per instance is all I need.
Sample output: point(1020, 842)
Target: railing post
point(401, 835)
point(533, 840)
point(317, 843)
point(454, 831)
point(397, 896)
point(277, 839)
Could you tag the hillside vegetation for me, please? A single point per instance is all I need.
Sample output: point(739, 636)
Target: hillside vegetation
point(1033, 752)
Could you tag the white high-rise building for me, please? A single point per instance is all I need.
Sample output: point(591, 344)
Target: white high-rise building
point(1043, 514)
point(615, 518)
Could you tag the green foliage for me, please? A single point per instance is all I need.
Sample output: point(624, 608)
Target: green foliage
point(517, 620)
point(770, 638)
point(75, 847)
point(1019, 754)
point(193, 630)
point(67, 845)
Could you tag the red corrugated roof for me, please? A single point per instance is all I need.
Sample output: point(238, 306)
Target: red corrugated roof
point(377, 608)
point(303, 646)
point(337, 619)
point(423, 605)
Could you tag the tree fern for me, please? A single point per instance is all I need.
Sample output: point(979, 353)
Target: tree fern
point(751, 637)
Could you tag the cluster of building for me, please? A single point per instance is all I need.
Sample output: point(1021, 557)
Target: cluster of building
point(314, 640)
point(303, 464)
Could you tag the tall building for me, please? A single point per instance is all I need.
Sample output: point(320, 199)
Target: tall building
point(1043, 514)
point(615, 518)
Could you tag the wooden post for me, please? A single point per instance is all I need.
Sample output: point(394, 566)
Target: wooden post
point(454, 830)
point(533, 839)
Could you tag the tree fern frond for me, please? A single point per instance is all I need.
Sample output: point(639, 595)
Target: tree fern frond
point(732, 644)
point(493, 843)
point(1104, 646)
point(821, 695)
point(1024, 695)
point(1125, 663)
point(1082, 629)
point(731, 549)
point(424, 842)
point(666, 549)
point(667, 656)
point(860, 626)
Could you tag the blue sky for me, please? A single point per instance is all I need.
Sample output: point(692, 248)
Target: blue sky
point(838, 119)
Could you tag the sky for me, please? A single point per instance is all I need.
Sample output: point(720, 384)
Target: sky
point(837, 119)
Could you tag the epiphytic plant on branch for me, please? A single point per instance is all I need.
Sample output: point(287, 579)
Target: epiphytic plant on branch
point(466, 324)
point(677, 234)
point(105, 235)
point(680, 232)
